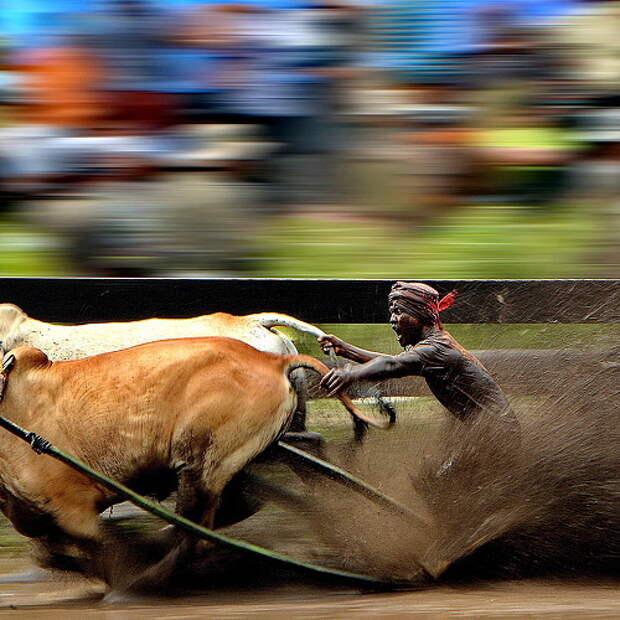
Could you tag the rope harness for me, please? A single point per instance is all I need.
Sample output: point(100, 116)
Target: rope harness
point(7, 364)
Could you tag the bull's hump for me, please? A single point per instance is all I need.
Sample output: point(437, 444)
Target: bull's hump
point(29, 357)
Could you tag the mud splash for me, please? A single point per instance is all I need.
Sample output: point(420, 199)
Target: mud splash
point(547, 502)
point(499, 506)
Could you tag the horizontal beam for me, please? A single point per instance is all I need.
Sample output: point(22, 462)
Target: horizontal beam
point(84, 300)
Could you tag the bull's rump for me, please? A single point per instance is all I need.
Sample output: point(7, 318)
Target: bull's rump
point(139, 408)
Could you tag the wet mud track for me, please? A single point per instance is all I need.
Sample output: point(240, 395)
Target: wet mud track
point(363, 538)
point(507, 599)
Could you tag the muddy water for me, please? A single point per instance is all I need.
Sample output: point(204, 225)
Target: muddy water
point(508, 599)
point(371, 540)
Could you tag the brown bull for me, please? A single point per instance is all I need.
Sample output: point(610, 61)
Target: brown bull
point(185, 413)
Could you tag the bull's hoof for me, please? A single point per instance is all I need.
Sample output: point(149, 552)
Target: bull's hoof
point(303, 437)
point(123, 597)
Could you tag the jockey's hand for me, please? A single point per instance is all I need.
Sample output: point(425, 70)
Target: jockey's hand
point(336, 380)
point(330, 343)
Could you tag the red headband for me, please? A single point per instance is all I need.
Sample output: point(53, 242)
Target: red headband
point(420, 299)
point(447, 300)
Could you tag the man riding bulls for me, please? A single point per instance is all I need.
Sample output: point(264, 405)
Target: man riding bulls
point(456, 378)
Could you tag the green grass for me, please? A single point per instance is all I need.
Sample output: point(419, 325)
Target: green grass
point(28, 251)
point(473, 242)
point(381, 338)
point(528, 137)
point(476, 242)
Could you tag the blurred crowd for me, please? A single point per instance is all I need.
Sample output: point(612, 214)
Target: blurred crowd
point(154, 136)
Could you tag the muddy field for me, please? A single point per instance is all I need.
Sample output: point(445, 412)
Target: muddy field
point(522, 527)
point(343, 530)
point(508, 599)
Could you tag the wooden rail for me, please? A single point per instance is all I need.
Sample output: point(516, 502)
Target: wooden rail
point(81, 300)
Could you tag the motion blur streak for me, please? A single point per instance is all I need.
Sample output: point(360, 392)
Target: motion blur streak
point(450, 138)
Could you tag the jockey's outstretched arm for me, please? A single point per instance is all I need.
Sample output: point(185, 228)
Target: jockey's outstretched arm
point(346, 350)
point(379, 368)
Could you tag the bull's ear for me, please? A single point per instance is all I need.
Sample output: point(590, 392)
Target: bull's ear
point(3, 351)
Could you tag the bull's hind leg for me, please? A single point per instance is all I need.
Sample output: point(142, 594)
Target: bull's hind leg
point(298, 421)
point(192, 503)
point(297, 432)
point(60, 554)
point(201, 480)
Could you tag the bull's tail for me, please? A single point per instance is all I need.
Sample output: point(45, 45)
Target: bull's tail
point(305, 361)
point(274, 319)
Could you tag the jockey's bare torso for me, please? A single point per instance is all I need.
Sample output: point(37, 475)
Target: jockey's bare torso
point(456, 378)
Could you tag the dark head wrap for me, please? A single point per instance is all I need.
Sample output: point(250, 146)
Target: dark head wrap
point(420, 300)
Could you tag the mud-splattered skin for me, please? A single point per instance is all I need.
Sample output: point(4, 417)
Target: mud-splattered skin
point(458, 380)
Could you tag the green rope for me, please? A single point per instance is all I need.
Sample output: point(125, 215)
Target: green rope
point(42, 446)
point(365, 489)
point(343, 476)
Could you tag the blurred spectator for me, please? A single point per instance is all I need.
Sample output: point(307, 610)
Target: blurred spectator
point(438, 142)
point(283, 69)
point(336, 63)
point(523, 162)
point(63, 83)
point(127, 36)
point(61, 97)
point(595, 179)
point(146, 132)
point(589, 39)
point(507, 64)
point(193, 216)
point(597, 174)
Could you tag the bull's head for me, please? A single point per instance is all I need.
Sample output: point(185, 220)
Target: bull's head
point(11, 317)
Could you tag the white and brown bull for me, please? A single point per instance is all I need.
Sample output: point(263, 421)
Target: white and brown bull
point(70, 342)
point(193, 410)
